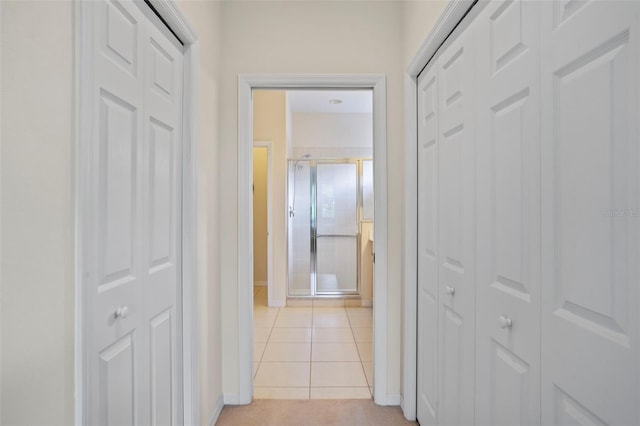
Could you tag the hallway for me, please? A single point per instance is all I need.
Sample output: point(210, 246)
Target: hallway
point(312, 352)
point(352, 412)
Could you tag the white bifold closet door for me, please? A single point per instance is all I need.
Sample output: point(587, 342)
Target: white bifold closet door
point(508, 214)
point(133, 255)
point(427, 368)
point(590, 212)
point(529, 217)
point(446, 173)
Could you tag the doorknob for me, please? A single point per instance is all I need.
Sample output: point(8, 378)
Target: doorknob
point(122, 312)
point(505, 322)
point(450, 290)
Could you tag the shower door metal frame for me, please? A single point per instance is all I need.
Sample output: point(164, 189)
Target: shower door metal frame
point(313, 225)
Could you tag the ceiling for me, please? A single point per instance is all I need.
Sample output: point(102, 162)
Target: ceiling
point(359, 101)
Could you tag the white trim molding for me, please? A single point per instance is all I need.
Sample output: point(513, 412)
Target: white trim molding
point(246, 83)
point(216, 411)
point(175, 19)
point(450, 18)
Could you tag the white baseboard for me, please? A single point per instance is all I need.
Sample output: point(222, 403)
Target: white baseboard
point(389, 400)
point(259, 283)
point(411, 417)
point(216, 411)
point(232, 399)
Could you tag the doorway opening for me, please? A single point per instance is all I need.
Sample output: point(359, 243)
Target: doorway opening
point(290, 321)
point(320, 343)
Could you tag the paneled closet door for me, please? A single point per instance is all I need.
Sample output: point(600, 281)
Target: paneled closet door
point(508, 214)
point(132, 229)
point(427, 380)
point(456, 203)
point(591, 213)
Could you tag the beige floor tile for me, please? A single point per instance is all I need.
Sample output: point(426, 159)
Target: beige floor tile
point(299, 303)
point(328, 302)
point(329, 310)
point(359, 322)
point(332, 335)
point(264, 310)
point(255, 368)
point(365, 349)
point(258, 350)
point(368, 372)
point(334, 352)
point(336, 374)
point(261, 334)
point(292, 320)
point(278, 374)
point(264, 319)
point(363, 334)
point(359, 312)
point(338, 319)
point(290, 335)
point(340, 393)
point(287, 352)
point(280, 393)
point(296, 310)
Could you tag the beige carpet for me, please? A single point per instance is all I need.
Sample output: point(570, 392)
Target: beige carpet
point(277, 412)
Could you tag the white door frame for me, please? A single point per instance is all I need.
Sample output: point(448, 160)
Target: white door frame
point(175, 19)
point(267, 145)
point(450, 18)
point(247, 82)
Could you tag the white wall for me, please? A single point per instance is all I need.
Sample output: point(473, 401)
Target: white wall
point(37, 281)
point(206, 17)
point(269, 124)
point(419, 17)
point(346, 135)
point(310, 37)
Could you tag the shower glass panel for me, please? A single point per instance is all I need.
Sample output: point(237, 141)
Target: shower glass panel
point(323, 227)
point(337, 228)
point(299, 228)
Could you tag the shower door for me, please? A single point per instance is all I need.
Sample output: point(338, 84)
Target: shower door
point(323, 228)
point(336, 228)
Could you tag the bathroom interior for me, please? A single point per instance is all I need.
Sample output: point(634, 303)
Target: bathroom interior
point(313, 244)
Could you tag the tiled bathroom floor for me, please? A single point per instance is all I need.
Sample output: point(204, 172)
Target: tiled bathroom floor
point(311, 352)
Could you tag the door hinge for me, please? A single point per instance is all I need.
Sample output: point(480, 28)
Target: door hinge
point(374, 257)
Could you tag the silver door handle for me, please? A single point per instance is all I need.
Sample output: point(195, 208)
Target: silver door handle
point(122, 312)
point(505, 322)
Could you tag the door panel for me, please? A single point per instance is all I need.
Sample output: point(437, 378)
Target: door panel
point(161, 328)
point(117, 383)
point(456, 197)
point(336, 227)
point(134, 221)
point(427, 367)
point(117, 189)
point(590, 230)
point(162, 213)
point(508, 211)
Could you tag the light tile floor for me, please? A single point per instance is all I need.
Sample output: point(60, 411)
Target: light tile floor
point(307, 352)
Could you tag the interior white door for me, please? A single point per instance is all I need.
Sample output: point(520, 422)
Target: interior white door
point(456, 203)
point(508, 214)
point(590, 222)
point(427, 365)
point(133, 227)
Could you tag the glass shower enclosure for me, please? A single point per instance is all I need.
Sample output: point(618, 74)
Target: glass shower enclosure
point(323, 229)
